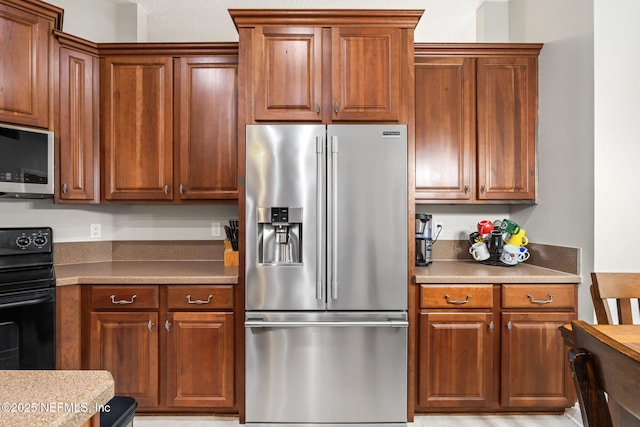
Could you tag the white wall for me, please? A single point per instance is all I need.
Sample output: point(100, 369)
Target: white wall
point(564, 215)
point(94, 20)
point(617, 140)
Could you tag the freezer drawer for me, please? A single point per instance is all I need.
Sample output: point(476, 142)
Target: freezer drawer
point(329, 368)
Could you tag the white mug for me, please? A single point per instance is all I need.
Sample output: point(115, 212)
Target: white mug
point(524, 254)
point(510, 254)
point(479, 251)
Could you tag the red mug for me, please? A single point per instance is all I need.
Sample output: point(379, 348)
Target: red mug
point(485, 227)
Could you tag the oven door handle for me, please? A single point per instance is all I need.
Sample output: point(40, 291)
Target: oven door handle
point(27, 302)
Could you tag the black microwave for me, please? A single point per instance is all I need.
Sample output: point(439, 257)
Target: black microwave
point(26, 162)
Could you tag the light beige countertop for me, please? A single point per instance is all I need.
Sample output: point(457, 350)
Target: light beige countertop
point(52, 398)
point(146, 272)
point(456, 271)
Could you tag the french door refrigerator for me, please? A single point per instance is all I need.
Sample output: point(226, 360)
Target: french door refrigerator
point(326, 275)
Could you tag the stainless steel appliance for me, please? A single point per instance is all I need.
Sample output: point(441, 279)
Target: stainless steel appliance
point(326, 275)
point(26, 162)
point(27, 299)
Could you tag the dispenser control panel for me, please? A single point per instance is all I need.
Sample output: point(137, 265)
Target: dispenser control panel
point(279, 214)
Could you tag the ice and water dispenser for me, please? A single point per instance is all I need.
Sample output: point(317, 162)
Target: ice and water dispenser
point(279, 235)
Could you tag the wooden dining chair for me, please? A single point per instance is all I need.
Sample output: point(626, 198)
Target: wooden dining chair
point(624, 288)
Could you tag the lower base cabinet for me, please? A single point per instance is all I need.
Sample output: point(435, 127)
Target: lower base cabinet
point(169, 347)
point(494, 348)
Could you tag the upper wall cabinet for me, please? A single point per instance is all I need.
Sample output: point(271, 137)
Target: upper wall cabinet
point(476, 115)
point(325, 65)
point(168, 115)
point(77, 120)
point(26, 83)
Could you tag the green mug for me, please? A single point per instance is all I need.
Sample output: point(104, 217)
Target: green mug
point(509, 227)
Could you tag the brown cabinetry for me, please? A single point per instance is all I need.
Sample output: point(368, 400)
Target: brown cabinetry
point(170, 347)
point(476, 115)
point(326, 65)
point(458, 319)
point(169, 123)
point(534, 368)
point(26, 82)
point(290, 74)
point(77, 120)
point(494, 348)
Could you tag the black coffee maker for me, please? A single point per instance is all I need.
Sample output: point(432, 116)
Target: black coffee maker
point(424, 239)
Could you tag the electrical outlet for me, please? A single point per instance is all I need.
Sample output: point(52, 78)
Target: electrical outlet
point(96, 230)
point(215, 229)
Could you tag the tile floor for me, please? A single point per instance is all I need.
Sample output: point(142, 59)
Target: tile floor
point(420, 421)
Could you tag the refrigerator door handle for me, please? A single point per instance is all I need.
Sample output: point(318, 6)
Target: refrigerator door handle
point(294, 324)
point(334, 217)
point(319, 215)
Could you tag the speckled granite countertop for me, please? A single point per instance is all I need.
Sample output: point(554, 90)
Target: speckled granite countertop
point(454, 271)
point(52, 398)
point(146, 272)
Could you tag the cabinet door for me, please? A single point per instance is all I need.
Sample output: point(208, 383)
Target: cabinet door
point(445, 128)
point(200, 366)
point(126, 344)
point(78, 127)
point(206, 111)
point(287, 73)
point(535, 368)
point(507, 111)
point(365, 74)
point(137, 125)
point(455, 360)
point(24, 75)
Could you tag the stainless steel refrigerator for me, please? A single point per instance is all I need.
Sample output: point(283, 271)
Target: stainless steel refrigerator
point(326, 275)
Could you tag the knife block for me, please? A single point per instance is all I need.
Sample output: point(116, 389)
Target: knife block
point(231, 257)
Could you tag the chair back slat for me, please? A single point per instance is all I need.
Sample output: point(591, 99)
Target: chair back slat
point(624, 288)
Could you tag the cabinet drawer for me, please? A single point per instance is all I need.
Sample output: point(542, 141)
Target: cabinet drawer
point(124, 297)
point(200, 297)
point(538, 296)
point(456, 296)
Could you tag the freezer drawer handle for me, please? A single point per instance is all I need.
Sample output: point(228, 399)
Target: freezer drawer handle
point(375, 323)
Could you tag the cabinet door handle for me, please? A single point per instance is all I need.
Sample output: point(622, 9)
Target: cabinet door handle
point(317, 108)
point(491, 327)
point(166, 189)
point(65, 188)
point(150, 325)
point(181, 189)
point(199, 301)
point(483, 189)
point(466, 189)
point(457, 301)
point(122, 301)
point(335, 107)
point(540, 301)
point(167, 325)
point(509, 325)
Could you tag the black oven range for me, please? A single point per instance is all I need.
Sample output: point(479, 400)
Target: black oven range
point(27, 299)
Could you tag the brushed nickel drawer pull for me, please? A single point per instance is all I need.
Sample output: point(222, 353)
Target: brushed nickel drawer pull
point(122, 301)
point(199, 301)
point(540, 301)
point(166, 189)
point(150, 325)
point(181, 189)
point(457, 301)
point(167, 325)
point(65, 188)
point(509, 325)
point(317, 108)
point(335, 108)
point(491, 327)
